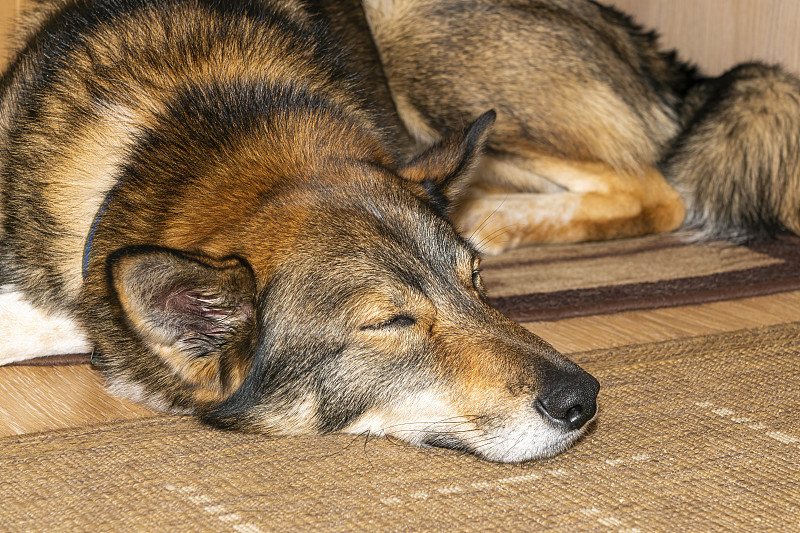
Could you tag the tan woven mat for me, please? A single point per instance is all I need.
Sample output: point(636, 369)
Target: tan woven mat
point(701, 434)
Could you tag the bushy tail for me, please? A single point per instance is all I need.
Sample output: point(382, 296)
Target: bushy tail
point(737, 162)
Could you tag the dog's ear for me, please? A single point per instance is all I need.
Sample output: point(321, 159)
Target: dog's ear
point(196, 315)
point(444, 170)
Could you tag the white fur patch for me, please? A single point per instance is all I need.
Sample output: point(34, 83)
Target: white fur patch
point(413, 420)
point(414, 122)
point(123, 387)
point(28, 332)
point(520, 436)
point(513, 174)
point(85, 179)
point(299, 418)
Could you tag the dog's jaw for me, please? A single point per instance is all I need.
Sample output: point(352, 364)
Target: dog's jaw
point(431, 419)
point(528, 437)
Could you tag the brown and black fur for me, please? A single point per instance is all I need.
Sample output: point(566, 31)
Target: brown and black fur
point(220, 193)
point(253, 226)
point(737, 159)
point(597, 128)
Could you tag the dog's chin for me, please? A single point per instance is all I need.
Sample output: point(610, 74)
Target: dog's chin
point(516, 447)
point(510, 439)
point(429, 419)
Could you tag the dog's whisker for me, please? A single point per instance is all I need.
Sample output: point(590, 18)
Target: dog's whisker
point(495, 235)
point(347, 446)
point(367, 434)
point(398, 442)
point(452, 420)
point(486, 220)
point(512, 448)
point(488, 238)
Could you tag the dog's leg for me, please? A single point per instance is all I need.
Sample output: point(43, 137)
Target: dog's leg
point(547, 199)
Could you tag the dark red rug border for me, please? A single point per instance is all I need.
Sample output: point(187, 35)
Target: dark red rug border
point(573, 303)
point(56, 360)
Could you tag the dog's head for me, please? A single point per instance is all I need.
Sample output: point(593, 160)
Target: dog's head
point(365, 314)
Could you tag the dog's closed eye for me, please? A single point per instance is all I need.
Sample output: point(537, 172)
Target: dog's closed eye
point(395, 322)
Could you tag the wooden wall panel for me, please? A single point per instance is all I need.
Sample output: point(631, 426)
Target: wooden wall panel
point(716, 34)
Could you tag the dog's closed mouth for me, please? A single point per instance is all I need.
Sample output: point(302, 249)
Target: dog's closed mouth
point(448, 442)
point(508, 449)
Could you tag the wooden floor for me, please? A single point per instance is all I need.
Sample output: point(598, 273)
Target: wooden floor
point(35, 399)
point(42, 398)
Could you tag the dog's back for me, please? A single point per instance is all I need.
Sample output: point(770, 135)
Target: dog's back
point(568, 78)
point(590, 108)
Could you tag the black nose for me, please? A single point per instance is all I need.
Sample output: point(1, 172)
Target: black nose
point(568, 397)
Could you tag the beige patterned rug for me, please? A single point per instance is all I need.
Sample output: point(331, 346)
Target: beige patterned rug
point(697, 434)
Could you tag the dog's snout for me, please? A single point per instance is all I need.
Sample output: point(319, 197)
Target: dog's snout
point(568, 397)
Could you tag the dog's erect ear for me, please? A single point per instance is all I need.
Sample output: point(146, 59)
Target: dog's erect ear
point(196, 315)
point(445, 169)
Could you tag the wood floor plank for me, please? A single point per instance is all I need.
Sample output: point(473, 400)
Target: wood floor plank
point(34, 399)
